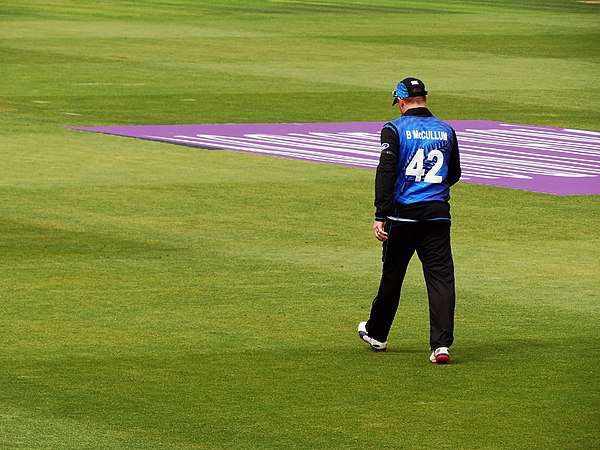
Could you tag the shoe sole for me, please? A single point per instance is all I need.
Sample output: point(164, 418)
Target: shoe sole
point(442, 359)
point(376, 350)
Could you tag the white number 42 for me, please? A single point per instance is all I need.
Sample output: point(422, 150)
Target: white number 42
point(416, 166)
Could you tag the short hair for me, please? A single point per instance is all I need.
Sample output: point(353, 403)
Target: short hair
point(416, 99)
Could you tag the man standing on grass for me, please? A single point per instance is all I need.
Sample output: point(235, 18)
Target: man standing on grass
point(419, 162)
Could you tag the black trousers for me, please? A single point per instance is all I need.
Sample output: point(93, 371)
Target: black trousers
point(431, 241)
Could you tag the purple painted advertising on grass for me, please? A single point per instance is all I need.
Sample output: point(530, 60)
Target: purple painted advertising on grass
point(540, 159)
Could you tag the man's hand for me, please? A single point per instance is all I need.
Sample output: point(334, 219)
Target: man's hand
point(378, 230)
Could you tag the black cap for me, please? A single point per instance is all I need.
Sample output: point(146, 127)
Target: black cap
point(409, 87)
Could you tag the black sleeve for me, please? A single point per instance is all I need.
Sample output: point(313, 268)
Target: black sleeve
point(454, 170)
point(385, 178)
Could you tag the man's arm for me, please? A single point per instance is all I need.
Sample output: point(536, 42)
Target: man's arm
point(454, 170)
point(385, 178)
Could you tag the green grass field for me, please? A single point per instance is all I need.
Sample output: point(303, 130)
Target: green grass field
point(160, 296)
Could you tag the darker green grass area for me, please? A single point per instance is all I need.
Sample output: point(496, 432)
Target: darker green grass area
point(190, 107)
point(537, 43)
point(185, 10)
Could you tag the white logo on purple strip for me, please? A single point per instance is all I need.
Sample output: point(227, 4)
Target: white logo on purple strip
point(540, 159)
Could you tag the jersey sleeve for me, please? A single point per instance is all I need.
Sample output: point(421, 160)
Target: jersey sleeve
point(385, 177)
point(454, 169)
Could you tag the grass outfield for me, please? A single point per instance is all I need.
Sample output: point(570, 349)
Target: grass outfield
point(159, 296)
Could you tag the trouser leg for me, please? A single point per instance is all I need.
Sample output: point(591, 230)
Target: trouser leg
point(397, 252)
point(435, 253)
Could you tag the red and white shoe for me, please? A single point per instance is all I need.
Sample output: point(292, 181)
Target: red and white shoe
point(440, 355)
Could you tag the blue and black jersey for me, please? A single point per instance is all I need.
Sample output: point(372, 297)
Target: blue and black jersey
point(419, 162)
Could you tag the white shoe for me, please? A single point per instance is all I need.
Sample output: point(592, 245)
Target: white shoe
point(441, 355)
point(375, 345)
